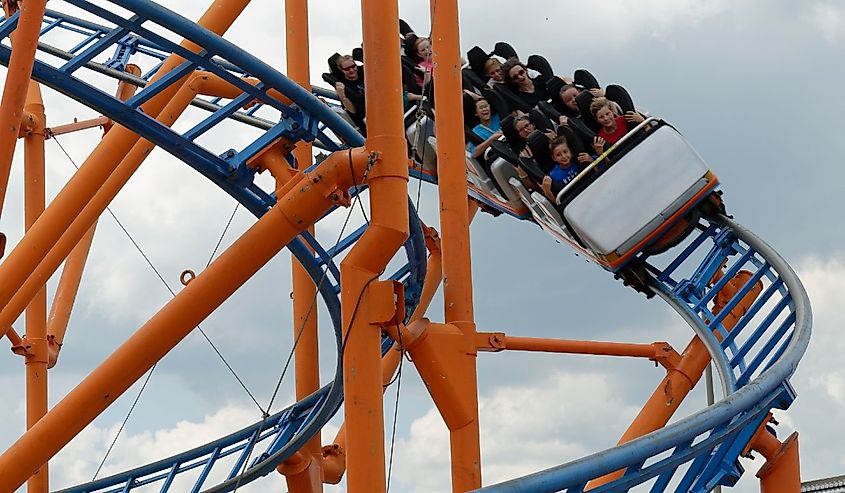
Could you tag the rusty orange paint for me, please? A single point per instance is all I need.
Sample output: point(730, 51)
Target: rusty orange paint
point(660, 352)
point(100, 121)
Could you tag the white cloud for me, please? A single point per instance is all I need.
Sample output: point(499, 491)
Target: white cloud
point(829, 19)
point(820, 378)
point(78, 461)
point(523, 429)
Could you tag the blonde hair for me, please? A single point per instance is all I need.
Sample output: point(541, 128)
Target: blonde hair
point(598, 104)
point(493, 64)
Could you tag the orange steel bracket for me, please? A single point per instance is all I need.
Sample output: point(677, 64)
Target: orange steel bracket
point(101, 121)
point(782, 471)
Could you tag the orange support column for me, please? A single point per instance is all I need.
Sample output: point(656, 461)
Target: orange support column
point(33, 247)
point(307, 477)
point(308, 199)
point(454, 220)
point(388, 230)
point(16, 85)
point(36, 312)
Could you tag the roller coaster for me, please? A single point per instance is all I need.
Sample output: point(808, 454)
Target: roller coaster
point(749, 314)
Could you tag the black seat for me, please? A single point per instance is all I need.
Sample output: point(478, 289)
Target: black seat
point(575, 142)
point(549, 111)
point(504, 50)
point(620, 96)
point(541, 65)
point(404, 28)
point(514, 102)
point(538, 142)
point(540, 120)
point(583, 101)
point(471, 81)
point(502, 150)
point(477, 58)
point(584, 79)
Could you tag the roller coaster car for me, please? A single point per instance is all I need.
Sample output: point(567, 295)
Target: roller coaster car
point(645, 194)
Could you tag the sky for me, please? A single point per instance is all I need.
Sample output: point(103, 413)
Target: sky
point(752, 85)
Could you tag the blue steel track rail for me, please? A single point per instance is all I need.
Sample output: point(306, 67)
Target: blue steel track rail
point(754, 361)
point(305, 120)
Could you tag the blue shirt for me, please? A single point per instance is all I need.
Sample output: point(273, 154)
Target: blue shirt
point(485, 131)
point(562, 176)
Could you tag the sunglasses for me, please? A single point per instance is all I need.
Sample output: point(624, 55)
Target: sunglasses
point(349, 68)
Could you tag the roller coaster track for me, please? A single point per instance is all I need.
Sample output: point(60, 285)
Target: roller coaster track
point(754, 359)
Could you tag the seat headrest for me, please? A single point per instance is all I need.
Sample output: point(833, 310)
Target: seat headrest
point(504, 50)
point(539, 144)
point(540, 64)
point(620, 96)
point(477, 58)
point(585, 79)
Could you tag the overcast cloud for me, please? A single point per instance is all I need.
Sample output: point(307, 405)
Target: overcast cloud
point(752, 84)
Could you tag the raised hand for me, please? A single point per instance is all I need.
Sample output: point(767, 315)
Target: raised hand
point(598, 144)
point(634, 117)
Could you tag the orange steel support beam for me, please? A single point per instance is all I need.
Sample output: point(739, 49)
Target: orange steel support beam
point(454, 220)
point(307, 476)
point(680, 380)
point(74, 266)
point(36, 313)
point(15, 339)
point(94, 172)
point(362, 307)
point(434, 273)
point(659, 352)
point(100, 121)
point(305, 203)
point(24, 42)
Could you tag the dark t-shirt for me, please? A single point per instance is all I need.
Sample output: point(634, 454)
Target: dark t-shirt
point(531, 99)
